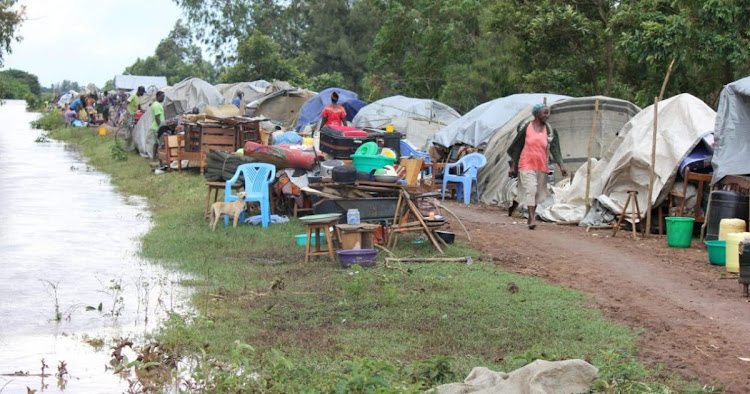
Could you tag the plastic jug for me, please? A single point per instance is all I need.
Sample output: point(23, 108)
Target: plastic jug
point(352, 216)
point(728, 226)
point(733, 250)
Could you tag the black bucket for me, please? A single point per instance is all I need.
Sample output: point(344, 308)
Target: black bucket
point(724, 205)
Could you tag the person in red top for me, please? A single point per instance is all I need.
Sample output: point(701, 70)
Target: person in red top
point(529, 152)
point(334, 114)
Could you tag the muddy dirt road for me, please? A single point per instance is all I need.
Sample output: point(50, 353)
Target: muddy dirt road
point(694, 321)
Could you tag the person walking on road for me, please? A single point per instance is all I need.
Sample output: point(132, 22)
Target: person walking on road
point(535, 141)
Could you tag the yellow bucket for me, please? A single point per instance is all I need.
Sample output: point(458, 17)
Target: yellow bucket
point(389, 128)
point(307, 141)
point(102, 130)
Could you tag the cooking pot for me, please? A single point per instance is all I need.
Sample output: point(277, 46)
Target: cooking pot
point(327, 166)
point(344, 174)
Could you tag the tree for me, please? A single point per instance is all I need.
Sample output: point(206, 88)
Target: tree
point(11, 17)
point(259, 57)
point(176, 57)
point(708, 39)
point(28, 79)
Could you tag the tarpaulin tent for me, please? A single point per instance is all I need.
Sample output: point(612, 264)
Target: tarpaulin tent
point(310, 111)
point(683, 121)
point(732, 131)
point(480, 124)
point(67, 98)
point(572, 119)
point(130, 82)
point(417, 119)
point(281, 106)
point(179, 99)
point(252, 90)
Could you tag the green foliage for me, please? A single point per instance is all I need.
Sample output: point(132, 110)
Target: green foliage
point(28, 79)
point(259, 57)
point(11, 18)
point(49, 121)
point(176, 58)
point(118, 152)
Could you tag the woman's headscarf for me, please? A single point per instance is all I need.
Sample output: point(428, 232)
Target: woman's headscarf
point(538, 108)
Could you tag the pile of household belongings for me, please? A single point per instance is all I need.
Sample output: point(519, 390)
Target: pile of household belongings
point(179, 99)
point(683, 122)
point(417, 119)
point(538, 377)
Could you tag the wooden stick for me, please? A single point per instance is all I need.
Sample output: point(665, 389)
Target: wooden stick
point(588, 161)
point(647, 230)
point(568, 223)
point(430, 260)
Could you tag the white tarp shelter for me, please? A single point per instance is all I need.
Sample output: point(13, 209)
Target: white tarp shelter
point(417, 119)
point(683, 121)
point(179, 99)
point(732, 131)
point(480, 124)
point(252, 90)
point(572, 119)
point(130, 82)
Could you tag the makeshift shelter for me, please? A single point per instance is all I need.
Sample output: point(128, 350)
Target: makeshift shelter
point(417, 119)
point(732, 131)
point(130, 82)
point(179, 99)
point(281, 106)
point(480, 124)
point(683, 121)
point(572, 118)
point(252, 90)
point(67, 98)
point(310, 111)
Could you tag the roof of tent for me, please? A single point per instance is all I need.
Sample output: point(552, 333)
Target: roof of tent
point(282, 105)
point(478, 125)
point(572, 119)
point(130, 82)
point(732, 131)
point(417, 119)
point(310, 111)
point(252, 90)
point(683, 121)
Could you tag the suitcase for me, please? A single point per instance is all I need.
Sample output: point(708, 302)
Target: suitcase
point(341, 141)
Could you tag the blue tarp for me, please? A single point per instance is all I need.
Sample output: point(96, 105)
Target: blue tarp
point(352, 108)
point(311, 109)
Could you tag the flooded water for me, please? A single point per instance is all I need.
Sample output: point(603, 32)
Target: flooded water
point(70, 271)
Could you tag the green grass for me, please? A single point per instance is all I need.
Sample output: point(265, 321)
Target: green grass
point(317, 325)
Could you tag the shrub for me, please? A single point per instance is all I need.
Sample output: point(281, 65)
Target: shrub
point(49, 121)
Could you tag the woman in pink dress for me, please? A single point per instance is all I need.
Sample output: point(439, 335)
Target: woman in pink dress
point(535, 140)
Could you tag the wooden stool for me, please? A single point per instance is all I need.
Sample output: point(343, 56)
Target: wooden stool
point(635, 213)
point(215, 187)
point(317, 227)
point(356, 236)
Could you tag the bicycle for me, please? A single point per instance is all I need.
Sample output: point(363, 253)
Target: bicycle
point(125, 130)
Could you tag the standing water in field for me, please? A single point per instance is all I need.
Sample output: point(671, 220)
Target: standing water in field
point(72, 282)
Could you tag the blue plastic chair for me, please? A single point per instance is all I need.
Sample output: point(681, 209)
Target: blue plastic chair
point(408, 151)
point(468, 167)
point(257, 178)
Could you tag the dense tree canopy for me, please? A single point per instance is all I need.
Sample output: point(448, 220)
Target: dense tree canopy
point(465, 52)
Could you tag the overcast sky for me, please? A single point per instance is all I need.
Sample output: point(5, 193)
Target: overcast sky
point(88, 41)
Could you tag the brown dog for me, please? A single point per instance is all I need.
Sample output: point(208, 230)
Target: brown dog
point(233, 209)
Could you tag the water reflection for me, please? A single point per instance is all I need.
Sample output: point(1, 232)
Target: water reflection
point(72, 280)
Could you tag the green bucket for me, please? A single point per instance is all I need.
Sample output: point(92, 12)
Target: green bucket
point(717, 252)
point(679, 231)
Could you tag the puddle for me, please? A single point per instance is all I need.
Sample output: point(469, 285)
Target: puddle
point(68, 254)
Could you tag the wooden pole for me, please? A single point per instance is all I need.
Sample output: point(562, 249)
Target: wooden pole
point(647, 230)
point(588, 161)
